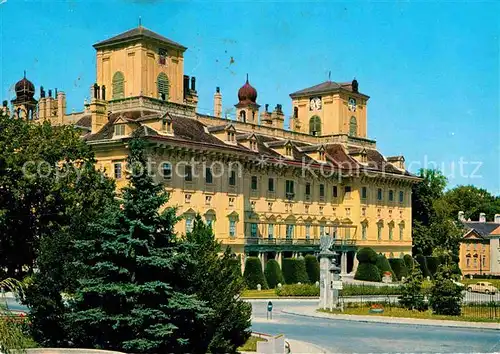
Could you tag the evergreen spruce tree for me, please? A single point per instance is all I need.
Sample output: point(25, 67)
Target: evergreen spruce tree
point(131, 296)
point(217, 281)
point(411, 296)
point(445, 296)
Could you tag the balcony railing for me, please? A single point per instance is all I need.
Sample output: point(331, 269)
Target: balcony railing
point(294, 241)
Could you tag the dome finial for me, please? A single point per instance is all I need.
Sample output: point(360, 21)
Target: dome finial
point(140, 21)
point(25, 74)
point(247, 78)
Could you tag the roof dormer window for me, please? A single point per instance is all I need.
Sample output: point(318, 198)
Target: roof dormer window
point(230, 136)
point(119, 130)
point(288, 150)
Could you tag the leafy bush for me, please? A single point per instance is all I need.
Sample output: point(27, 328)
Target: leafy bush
point(253, 273)
point(236, 263)
point(384, 266)
point(298, 290)
point(411, 296)
point(408, 260)
point(421, 260)
point(432, 264)
point(294, 271)
point(312, 268)
point(445, 296)
point(368, 272)
point(273, 273)
point(399, 267)
point(367, 255)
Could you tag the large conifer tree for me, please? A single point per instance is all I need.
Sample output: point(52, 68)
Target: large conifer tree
point(132, 292)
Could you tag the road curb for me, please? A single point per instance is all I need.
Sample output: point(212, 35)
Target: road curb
point(400, 321)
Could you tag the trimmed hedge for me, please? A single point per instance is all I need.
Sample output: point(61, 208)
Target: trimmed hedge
point(367, 255)
point(312, 268)
point(298, 290)
point(423, 266)
point(384, 266)
point(253, 274)
point(398, 267)
point(294, 270)
point(368, 272)
point(432, 264)
point(273, 273)
point(408, 259)
point(236, 263)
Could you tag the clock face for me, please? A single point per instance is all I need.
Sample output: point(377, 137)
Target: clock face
point(315, 104)
point(352, 104)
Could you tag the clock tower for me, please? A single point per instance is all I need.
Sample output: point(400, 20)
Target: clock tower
point(330, 108)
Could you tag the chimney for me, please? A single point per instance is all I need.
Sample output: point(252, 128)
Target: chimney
point(48, 105)
point(217, 103)
point(278, 118)
point(61, 107)
point(98, 110)
point(461, 216)
point(193, 83)
point(186, 86)
point(482, 217)
point(497, 219)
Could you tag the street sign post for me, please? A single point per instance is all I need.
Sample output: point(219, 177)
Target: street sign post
point(270, 310)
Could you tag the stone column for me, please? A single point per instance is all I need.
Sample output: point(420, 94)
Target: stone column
point(343, 263)
point(355, 263)
point(278, 258)
point(261, 257)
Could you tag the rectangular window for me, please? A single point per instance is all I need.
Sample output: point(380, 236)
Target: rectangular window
point(232, 228)
point(468, 262)
point(208, 175)
point(363, 231)
point(335, 192)
point(401, 232)
point(308, 231)
point(120, 129)
point(347, 233)
point(308, 189)
point(322, 191)
point(401, 196)
point(254, 183)
point(188, 173)
point(270, 231)
point(322, 230)
point(232, 178)
point(391, 195)
point(270, 184)
point(289, 231)
point(118, 170)
point(390, 232)
point(364, 193)
point(253, 230)
point(379, 232)
point(167, 171)
point(347, 192)
point(189, 224)
point(289, 187)
point(379, 194)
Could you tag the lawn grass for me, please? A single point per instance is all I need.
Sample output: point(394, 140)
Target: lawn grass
point(263, 294)
point(251, 344)
point(469, 313)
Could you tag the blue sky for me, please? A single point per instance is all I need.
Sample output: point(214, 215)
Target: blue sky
point(431, 69)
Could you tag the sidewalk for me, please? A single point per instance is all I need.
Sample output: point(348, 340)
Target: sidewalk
point(309, 312)
point(297, 346)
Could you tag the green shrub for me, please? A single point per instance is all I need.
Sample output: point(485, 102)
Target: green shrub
point(312, 268)
point(273, 273)
point(432, 264)
point(445, 296)
point(398, 267)
point(236, 263)
point(367, 255)
point(253, 273)
point(412, 296)
point(298, 290)
point(423, 266)
point(408, 260)
point(294, 271)
point(384, 266)
point(368, 272)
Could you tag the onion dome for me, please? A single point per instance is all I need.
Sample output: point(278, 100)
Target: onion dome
point(247, 93)
point(25, 88)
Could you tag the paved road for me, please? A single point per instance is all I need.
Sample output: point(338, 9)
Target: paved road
point(339, 336)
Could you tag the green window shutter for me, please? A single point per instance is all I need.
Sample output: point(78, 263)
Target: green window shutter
point(353, 127)
point(118, 85)
point(315, 125)
point(163, 85)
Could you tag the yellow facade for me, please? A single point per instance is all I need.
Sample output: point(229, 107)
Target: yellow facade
point(265, 190)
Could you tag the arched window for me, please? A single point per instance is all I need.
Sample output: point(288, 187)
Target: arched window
point(353, 127)
point(315, 125)
point(163, 86)
point(118, 85)
point(243, 116)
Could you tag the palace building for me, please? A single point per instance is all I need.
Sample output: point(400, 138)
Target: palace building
point(266, 190)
